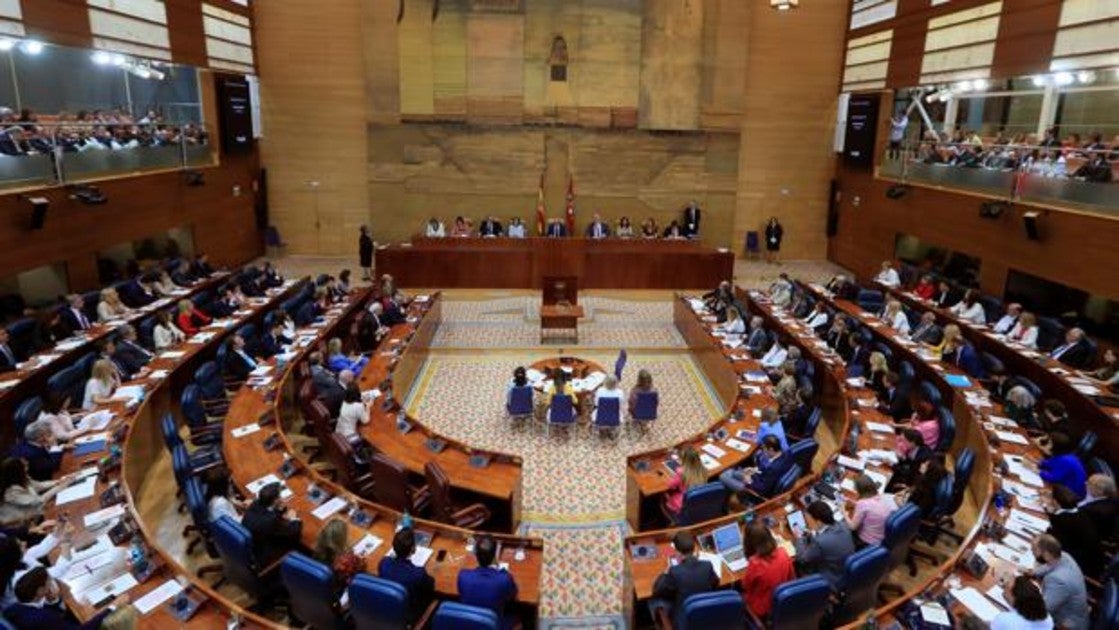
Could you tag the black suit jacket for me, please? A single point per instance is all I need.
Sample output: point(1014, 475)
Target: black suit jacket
point(269, 347)
point(490, 228)
point(237, 367)
point(131, 356)
point(1078, 536)
point(1105, 515)
point(7, 364)
point(896, 404)
point(71, 320)
point(250, 288)
point(41, 463)
point(690, 225)
point(764, 482)
point(273, 535)
point(328, 388)
point(1077, 356)
point(682, 581)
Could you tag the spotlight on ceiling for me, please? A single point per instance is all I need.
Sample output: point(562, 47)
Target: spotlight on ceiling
point(1038, 80)
point(31, 46)
point(1063, 78)
point(1085, 76)
point(7, 44)
point(102, 58)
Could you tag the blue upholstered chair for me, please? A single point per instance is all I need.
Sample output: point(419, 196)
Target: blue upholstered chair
point(931, 393)
point(608, 416)
point(235, 546)
point(379, 604)
point(26, 413)
point(703, 503)
point(803, 452)
point(519, 405)
point(310, 586)
point(946, 422)
point(901, 528)
point(561, 413)
point(456, 616)
point(644, 410)
point(857, 589)
point(717, 609)
point(801, 603)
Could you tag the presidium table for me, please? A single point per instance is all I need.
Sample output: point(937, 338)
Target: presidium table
point(523, 263)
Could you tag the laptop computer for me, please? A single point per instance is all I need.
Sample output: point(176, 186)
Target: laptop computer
point(728, 543)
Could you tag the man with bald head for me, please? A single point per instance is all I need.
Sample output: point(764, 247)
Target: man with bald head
point(1075, 352)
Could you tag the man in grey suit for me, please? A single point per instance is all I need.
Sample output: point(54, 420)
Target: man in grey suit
point(1062, 584)
point(927, 331)
point(824, 549)
point(757, 340)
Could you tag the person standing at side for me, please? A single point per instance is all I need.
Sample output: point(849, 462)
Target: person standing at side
point(774, 233)
point(365, 253)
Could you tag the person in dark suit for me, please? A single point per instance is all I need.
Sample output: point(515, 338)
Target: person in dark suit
point(201, 267)
point(825, 548)
point(239, 363)
point(250, 283)
point(894, 398)
point(74, 315)
point(1101, 505)
point(1076, 531)
point(399, 568)
point(1075, 351)
point(275, 530)
point(758, 340)
point(365, 254)
point(227, 305)
point(48, 330)
point(719, 300)
point(270, 278)
point(674, 230)
point(327, 386)
point(38, 605)
point(272, 343)
point(490, 226)
point(752, 484)
point(688, 577)
point(597, 228)
point(108, 351)
point(35, 449)
point(181, 275)
point(487, 586)
point(690, 228)
point(858, 359)
point(796, 421)
point(912, 453)
point(944, 296)
point(129, 353)
point(135, 294)
point(556, 229)
point(9, 358)
point(965, 357)
point(927, 331)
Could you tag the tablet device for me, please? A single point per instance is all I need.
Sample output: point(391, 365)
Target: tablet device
point(796, 521)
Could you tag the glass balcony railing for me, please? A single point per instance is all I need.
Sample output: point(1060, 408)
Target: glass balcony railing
point(1080, 178)
point(36, 154)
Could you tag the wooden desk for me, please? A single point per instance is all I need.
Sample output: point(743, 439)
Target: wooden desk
point(498, 484)
point(31, 380)
point(249, 460)
point(1049, 374)
point(560, 317)
point(141, 446)
point(523, 263)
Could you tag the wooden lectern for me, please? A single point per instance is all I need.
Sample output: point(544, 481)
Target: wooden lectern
point(560, 310)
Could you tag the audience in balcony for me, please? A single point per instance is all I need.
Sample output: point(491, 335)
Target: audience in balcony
point(113, 130)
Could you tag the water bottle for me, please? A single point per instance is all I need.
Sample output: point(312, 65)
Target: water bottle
point(137, 555)
point(406, 520)
point(853, 440)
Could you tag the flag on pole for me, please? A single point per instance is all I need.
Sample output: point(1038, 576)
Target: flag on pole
point(541, 213)
point(570, 206)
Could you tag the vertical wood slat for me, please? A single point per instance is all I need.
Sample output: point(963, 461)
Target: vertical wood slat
point(58, 22)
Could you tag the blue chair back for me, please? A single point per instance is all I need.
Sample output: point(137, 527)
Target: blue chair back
point(863, 571)
point(562, 410)
point(191, 406)
point(1087, 444)
point(145, 332)
point(171, 437)
point(199, 510)
point(26, 413)
point(947, 423)
point(620, 364)
point(84, 367)
point(930, 393)
point(942, 498)
point(305, 315)
point(378, 604)
point(1099, 466)
point(235, 546)
point(991, 363)
point(609, 413)
point(800, 603)
point(1107, 610)
point(1050, 333)
point(803, 452)
point(717, 609)
point(884, 349)
point(788, 480)
point(813, 422)
point(961, 472)
point(901, 528)
point(19, 334)
point(703, 503)
point(456, 616)
point(209, 381)
point(310, 584)
point(992, 307)
point(520, 401)
point(645, 406)
point(870, 301)
point(752, 242)
point(1030, 386)
point(906, 372)
point(180, 465)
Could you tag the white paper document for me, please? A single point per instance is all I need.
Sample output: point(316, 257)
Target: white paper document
point(419, 557)
point(154, 598)
point(329, 508)
point(100, 516)
point(367, 545)
point(976, 602)
point(245, 430)
point(1012, 437)
point(77, 492)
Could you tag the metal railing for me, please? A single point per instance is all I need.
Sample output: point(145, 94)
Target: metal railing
point(1077, 177)
point(36, 154)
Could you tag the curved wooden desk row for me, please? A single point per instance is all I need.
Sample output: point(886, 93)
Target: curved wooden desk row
point(399, 361)
point(976, 426)
point(249, 460)
point(31, 378)
point(523, 263)
point(728, 370)
point(855, 406)
point(141, 445)
point(1055, 379)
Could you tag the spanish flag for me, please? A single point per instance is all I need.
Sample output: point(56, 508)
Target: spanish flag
point(541, 213)
point(570, 206)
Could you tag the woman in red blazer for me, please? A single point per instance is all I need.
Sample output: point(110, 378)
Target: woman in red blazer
point(190, 318)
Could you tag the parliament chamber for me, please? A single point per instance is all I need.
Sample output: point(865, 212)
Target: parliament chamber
point(559, 314)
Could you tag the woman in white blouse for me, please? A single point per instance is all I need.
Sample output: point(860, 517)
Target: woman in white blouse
point(895, 316)
point(219, 499)
point(776, 356)
point(734, 325)
point(434, 229)
point(1024, 332)
point(100, 386)
point(516, 228)
point(970, 309)
point(23, 497)
point(818, 319)
point(62, 424)
point(354, 412)
point(163, 285)
point(888, 276)
point(165, 333)
point(110, 306)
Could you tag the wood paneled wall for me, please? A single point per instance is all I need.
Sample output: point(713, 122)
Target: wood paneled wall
point(1077, 249)
point(785, 159)
point(223, 223)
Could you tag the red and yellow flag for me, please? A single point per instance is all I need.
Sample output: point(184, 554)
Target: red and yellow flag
point(541, 213)
point(570, 216)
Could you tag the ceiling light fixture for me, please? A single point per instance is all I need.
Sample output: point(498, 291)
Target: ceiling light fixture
point(784, 5)
point(31, 46)
point(1063, 78)
point(7, 44)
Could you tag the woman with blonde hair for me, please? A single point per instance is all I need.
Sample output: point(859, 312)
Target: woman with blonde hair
point(950, 341)
point(333, 549)
point(110, 307)
point(190, 319)
point(100, 386)
point(876, 374)
point(691, 473)
point(894, 315)
point(1025, 331)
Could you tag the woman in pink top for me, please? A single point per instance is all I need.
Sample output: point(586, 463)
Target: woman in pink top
point(691, 473)
point(868, 521)
point(926, 421)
